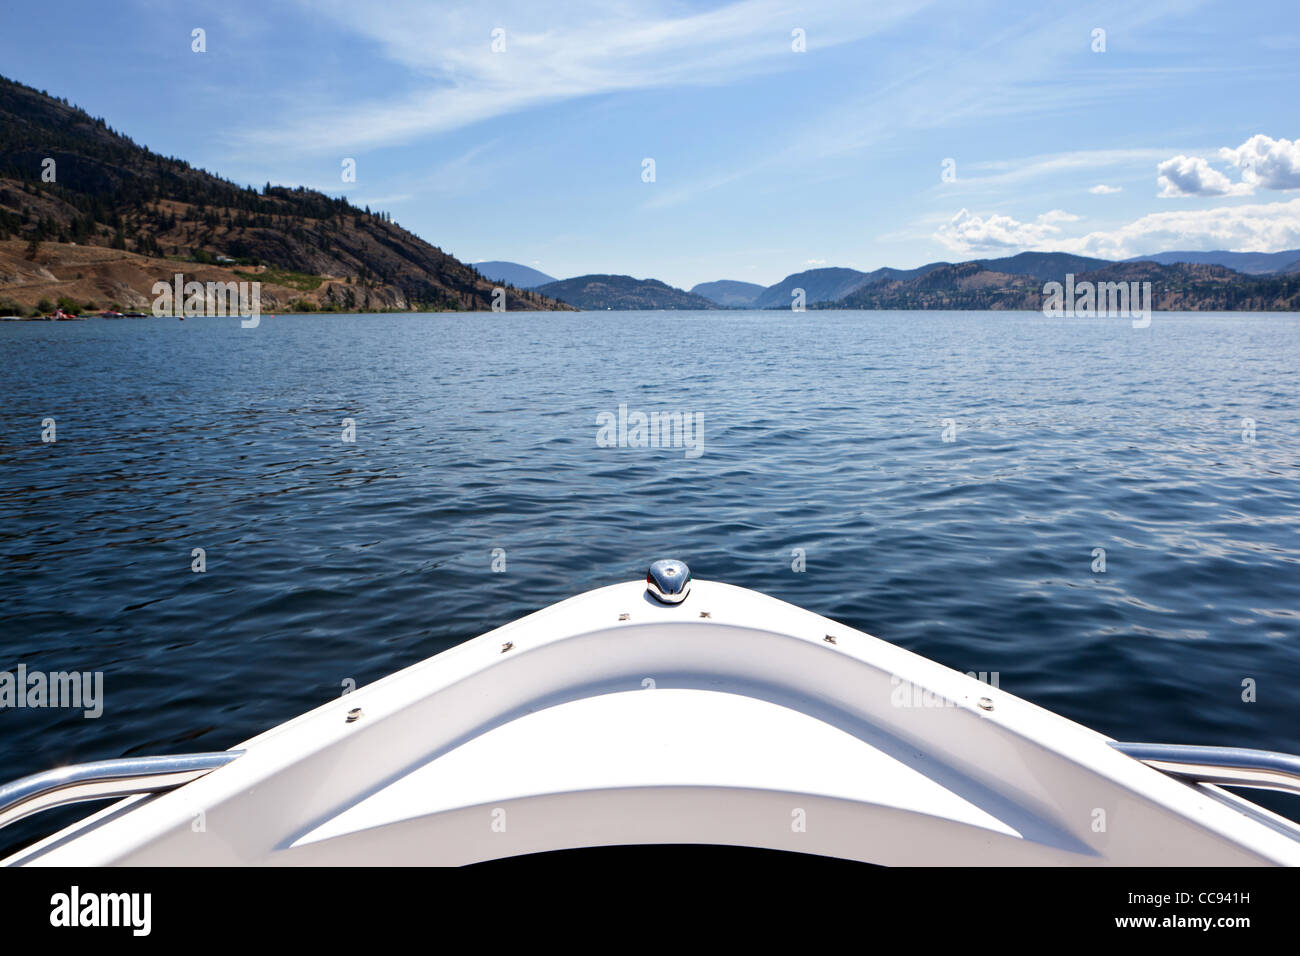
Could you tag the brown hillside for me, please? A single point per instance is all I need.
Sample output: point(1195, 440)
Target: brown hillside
point(110, 193)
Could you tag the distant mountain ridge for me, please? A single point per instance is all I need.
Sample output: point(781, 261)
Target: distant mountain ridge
point(730, 293)
point(1176, 287)
point(1247, 263)
point(1182, 280)
point(513, 273)
point(605, 292)
point(818, 285)
point(1047, 266)
point(1015, 282)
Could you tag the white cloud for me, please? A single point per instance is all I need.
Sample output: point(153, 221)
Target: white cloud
point(814, 262)
point(1264, 162)
point(1193, 176)
point(967, 232)
point(1267, 162)
point(1101, 189)
point(1057, 215)
point(1261, 227)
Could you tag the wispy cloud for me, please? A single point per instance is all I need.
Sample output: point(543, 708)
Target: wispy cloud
point(967, 80)
point(1011, 172)
point(460, 79)
point(471, 170)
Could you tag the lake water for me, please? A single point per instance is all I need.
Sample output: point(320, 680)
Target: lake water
point(329, 561)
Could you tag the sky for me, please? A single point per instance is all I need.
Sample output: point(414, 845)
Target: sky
point(717, 140)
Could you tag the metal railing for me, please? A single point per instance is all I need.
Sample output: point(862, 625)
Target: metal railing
point(1232, 766)
point(104, 779)
point(108, 779)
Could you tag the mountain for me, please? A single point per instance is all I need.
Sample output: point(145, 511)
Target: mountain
point(729, 293)
point(1177, 287)
point(1047, 266)
point(601, 292)
point(1205, 287)
point(831, 285)
point(1249, 263)
point(158, 215)
point(512, 273)
point(837, 287)
point(819, 285)
point(887, 273)
point(947, 286)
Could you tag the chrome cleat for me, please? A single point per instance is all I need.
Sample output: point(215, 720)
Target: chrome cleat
point(668, 581)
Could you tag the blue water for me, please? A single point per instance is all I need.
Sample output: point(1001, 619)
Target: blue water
point(329, 561)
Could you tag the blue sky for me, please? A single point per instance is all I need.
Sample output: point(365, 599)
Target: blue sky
point(1183, 133)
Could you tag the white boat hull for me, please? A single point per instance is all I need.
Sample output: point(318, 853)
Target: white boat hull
point(613, 719)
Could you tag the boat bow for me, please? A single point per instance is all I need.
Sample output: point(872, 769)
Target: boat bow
point(725, 717)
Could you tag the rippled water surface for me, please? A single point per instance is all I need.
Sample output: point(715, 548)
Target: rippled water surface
point(329, 560)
